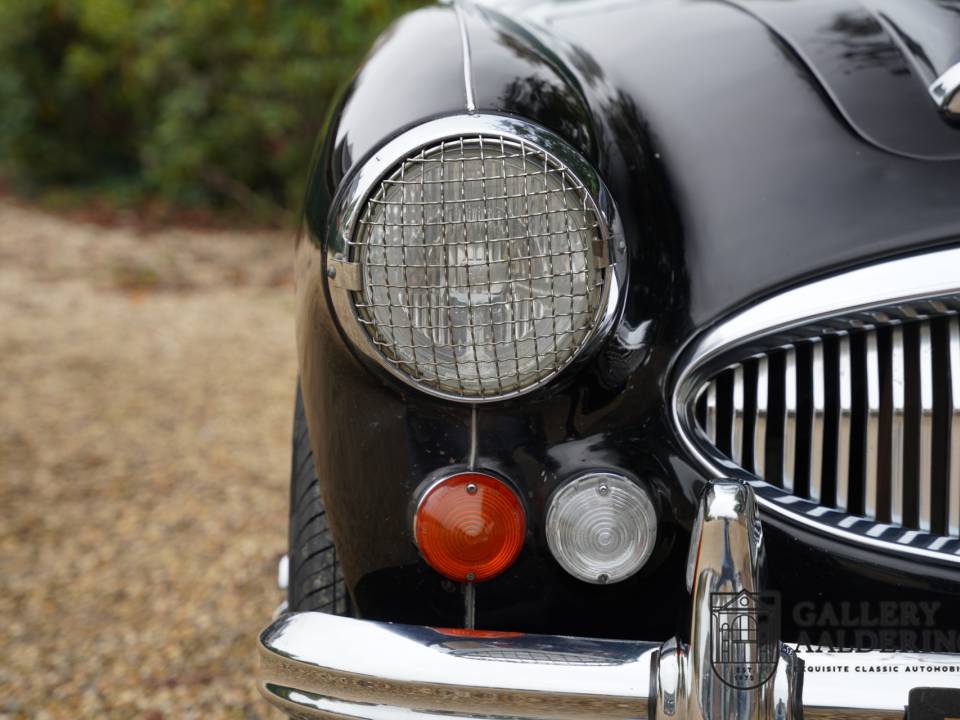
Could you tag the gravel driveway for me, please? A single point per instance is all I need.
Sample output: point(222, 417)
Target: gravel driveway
point(145, 418)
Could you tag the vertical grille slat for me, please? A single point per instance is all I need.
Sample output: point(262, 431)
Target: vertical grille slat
point(925, 455)
point(872, 446)
point(898, 430)
point(725, 412)
point(738, 416)
point(817, 422)
point(863, 420)
point(940, 446)
point(789, 418)
point(760, 420)
point(711, 423)
point(953, 473)
point(845, 424)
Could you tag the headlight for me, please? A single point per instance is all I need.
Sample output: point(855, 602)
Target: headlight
point(480, 265)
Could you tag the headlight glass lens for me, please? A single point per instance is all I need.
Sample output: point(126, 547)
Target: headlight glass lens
point(480, 274)
point(601, 527)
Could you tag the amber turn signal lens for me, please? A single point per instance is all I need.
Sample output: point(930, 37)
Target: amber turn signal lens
point(470, 527)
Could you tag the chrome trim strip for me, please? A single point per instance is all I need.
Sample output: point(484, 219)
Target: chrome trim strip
point(472, 453)
point(925, 459)
point(887, 291)
point(953, 485)
point(889, 284)
point(945, 90)
point(348, 206)
point(471, 103)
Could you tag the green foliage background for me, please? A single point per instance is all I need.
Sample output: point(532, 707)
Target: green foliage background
point(197, 103)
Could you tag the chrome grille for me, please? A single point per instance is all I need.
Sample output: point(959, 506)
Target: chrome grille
point(865, 421)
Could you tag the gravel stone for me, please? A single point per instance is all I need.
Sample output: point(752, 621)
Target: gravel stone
point(145, 419)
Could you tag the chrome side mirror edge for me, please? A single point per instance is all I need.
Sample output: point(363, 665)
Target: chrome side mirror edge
point(945, 91)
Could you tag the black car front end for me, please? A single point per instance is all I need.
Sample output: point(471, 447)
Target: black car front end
point(749, 308)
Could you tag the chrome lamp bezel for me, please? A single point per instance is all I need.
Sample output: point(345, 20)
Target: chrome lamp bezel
point(351, 200)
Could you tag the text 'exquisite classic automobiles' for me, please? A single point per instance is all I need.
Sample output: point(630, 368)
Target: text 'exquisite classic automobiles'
point(629, 350)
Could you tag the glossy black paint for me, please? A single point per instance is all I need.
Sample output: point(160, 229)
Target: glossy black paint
point(875, 59)
point(736, 172)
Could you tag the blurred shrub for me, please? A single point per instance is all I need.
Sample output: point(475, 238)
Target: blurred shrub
point(198, 102)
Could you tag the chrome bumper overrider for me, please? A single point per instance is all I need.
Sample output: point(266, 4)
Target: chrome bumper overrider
point(314, 665)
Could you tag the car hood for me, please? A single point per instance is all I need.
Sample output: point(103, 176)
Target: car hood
point(876, 59)
point(750, 145)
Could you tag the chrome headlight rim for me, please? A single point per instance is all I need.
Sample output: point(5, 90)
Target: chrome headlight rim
point(344, 274)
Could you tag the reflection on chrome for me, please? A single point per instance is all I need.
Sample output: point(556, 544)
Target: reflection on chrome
point(314, 665)
point(830, 339)
point(945, 91)
point(725, 561)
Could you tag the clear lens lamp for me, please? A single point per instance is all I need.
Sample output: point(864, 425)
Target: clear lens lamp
point(601, 527)
point(482, 267)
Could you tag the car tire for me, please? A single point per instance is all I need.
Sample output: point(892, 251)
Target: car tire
point(316, 581)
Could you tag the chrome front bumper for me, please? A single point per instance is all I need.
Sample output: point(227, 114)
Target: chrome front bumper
point(315, 665)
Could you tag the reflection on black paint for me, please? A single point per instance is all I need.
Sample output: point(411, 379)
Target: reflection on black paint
point(861, 42)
